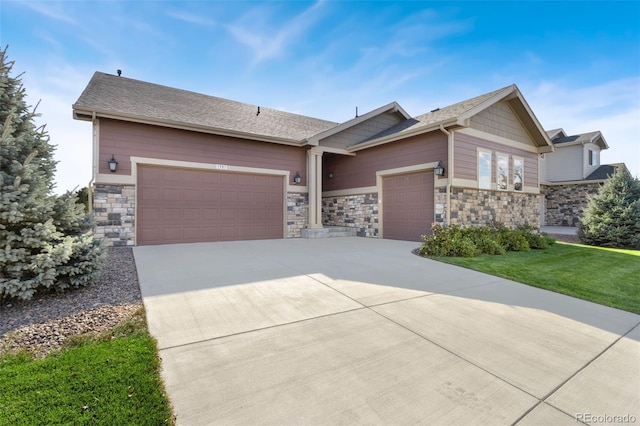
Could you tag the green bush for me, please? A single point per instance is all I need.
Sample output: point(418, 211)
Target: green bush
point(612, 218)
point(496, 239)
point(46, 241)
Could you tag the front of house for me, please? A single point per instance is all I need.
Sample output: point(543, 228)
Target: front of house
point(196, 168)
point(571, 175)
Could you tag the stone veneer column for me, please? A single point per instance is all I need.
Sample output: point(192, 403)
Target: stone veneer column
point(440, 205)
point(297, 213)
point(114, 212)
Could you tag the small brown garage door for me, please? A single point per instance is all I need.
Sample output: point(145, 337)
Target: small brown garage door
point(187, 205)
point(407, 205)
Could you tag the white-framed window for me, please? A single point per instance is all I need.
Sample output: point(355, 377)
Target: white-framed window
point(518, 174)
point(594, 158)
point(484, 169)
point(502, 171)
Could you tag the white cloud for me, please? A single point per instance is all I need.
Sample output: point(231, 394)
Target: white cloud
point(191, 18)
point(51, 10)
point(273, 38)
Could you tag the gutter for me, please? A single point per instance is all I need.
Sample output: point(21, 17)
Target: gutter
point(79, 114)
point(94, 153)
point(450, 172)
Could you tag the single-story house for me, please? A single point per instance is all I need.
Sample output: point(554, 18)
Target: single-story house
point(173, 166)
point(570, 175)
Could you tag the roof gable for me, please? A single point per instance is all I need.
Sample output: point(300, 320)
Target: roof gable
point(138, 101)
point(361, 127)
point(595, 138)
point(460, 115)
point(499, 119)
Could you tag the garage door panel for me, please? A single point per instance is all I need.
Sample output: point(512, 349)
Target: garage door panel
point(188, 205)
point(407, 205)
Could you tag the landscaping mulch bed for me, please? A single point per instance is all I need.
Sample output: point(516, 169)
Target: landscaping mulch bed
point(47, 320)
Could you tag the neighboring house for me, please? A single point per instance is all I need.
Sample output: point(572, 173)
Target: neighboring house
point(570, 175)
point(192, 167)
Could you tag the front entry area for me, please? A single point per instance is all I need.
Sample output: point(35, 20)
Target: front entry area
point(407, 205)
point(180, 205)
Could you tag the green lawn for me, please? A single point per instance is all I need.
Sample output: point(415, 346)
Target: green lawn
point(607, 276)
point(111, 380)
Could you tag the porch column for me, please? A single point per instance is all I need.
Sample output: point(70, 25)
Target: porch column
point(314, 182)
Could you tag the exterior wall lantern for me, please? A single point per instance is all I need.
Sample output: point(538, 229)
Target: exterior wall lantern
point(330, 175)
point(438, 169)
point(113, 164)
point(297, 179)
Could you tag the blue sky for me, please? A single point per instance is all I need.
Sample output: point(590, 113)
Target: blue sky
point(577, 63)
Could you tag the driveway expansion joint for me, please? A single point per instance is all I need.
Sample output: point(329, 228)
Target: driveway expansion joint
point(183, 345)
point(591, 361)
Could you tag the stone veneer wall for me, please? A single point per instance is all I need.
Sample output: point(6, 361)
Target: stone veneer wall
point(355, 211)
point(297, 213)
point(440, 205)
point(114, 212)
point(481, 207)
point(565, 204)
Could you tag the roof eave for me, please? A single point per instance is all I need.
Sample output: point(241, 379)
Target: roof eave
point(89, 114)
point(454, 122)
point(391, 107)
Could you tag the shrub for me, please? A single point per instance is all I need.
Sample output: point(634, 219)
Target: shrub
point(612, 217)
point(496, 239)
point(46, 241)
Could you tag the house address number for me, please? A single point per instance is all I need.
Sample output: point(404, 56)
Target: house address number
point(221, 167)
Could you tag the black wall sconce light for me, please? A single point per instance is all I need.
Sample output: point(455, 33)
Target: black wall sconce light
point(438, 170)
point(297, 178)
point(330, 175)
point(113, 164)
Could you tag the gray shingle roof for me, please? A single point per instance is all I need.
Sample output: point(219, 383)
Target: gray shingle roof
point(138, 100)
point(603, 172)
point(581, 138)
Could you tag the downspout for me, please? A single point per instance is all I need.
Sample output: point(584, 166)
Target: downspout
point(449, 173)
point(94, 137)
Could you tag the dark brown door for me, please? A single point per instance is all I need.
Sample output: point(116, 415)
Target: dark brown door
point(407, 205)
point(178, 205)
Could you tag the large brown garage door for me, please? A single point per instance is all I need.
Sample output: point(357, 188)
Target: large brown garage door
point(407, 205)
point(186, 205)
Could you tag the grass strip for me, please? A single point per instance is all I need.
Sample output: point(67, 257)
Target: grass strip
point(108, 380)
point(606, 276)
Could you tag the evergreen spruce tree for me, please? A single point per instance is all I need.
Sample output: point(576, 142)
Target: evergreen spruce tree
point(612, 218)
point(45, 240)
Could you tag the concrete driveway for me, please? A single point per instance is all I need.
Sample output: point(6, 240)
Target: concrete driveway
point(354, 330)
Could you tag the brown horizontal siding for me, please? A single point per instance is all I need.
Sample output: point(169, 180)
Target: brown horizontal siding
point(125, 140)
point(466, 161)
point(354, 172)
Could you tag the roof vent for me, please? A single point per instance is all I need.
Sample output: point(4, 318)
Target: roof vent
point(119, 72)
point(434, 110)
point(258, 113)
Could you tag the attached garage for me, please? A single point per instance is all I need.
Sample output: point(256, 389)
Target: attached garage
point(179, 205)
point(407, 205)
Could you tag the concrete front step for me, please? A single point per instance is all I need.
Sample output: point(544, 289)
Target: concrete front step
point(328, 232)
